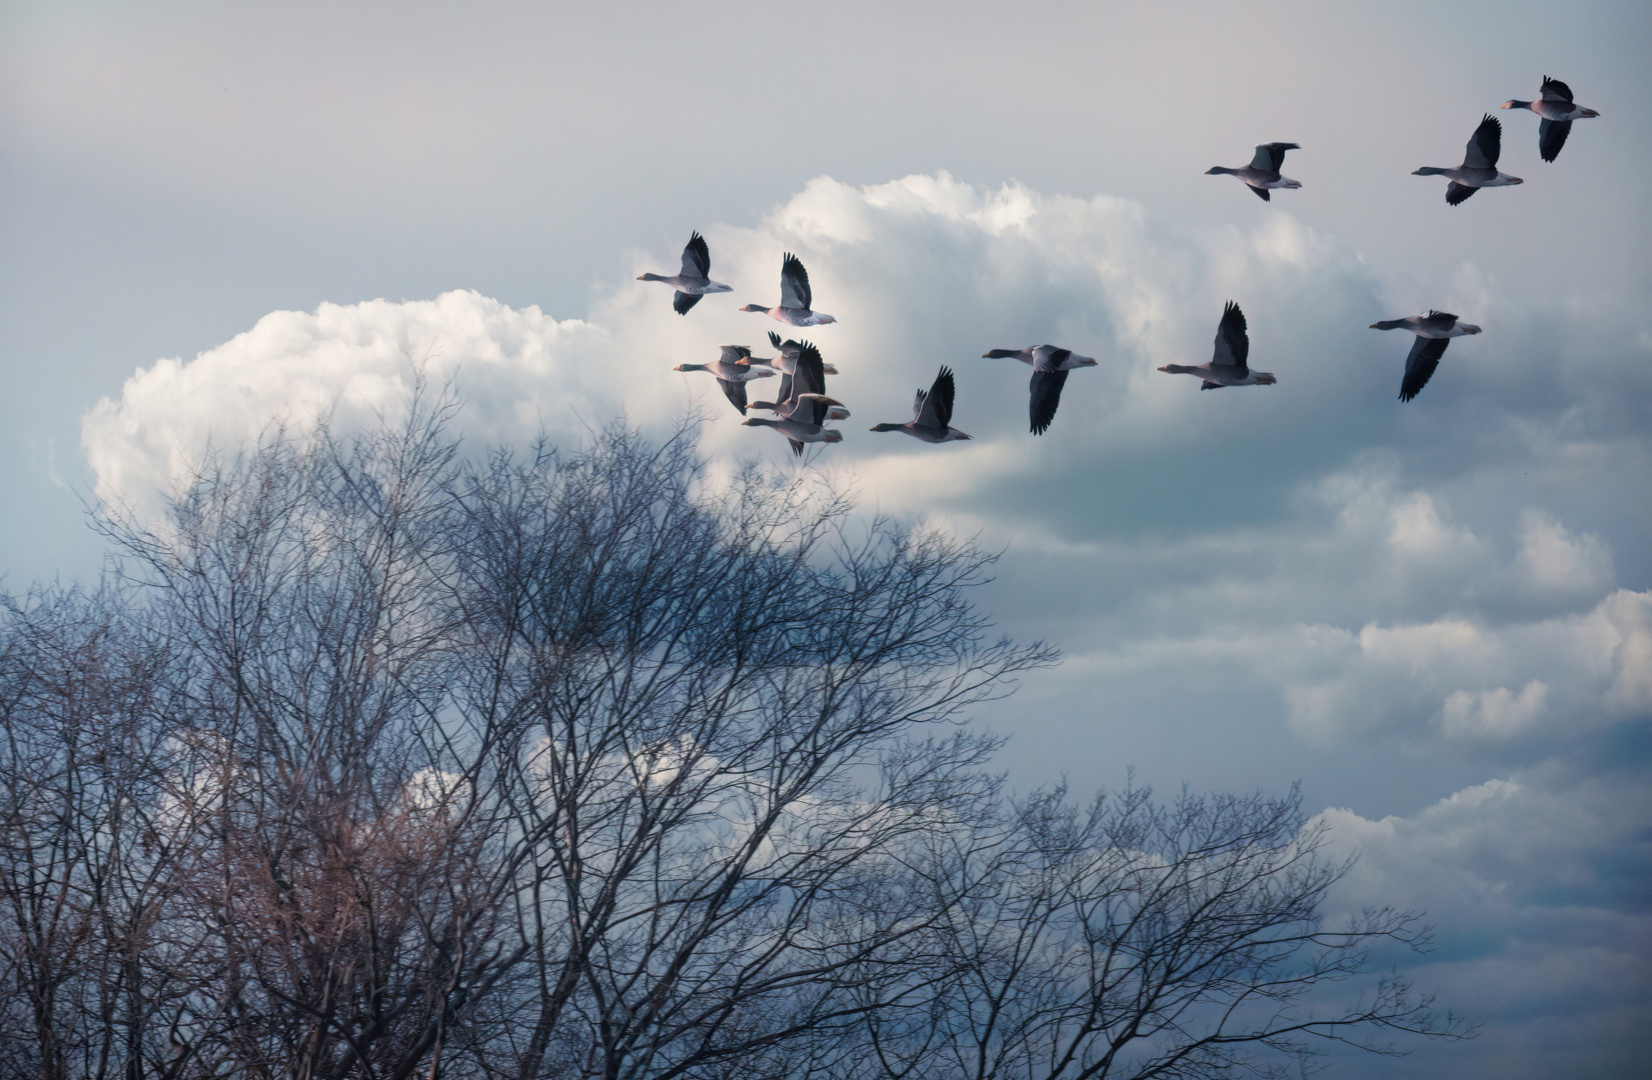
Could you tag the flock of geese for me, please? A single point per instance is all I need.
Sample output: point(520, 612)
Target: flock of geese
point(803, 409)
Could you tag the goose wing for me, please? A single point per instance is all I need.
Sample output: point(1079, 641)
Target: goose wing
point(1551, 136)
point(786, 352)
point(1420, 364)
point(809, 378)
point(733, 354)
point(735, 392)
point(1232, 342)
point(1270, 157)
point(696, 257)
point(1486, 144)
point(934, 409)
point(1045, 389)
point(1555, 90)
point(682, 301)
point(794, 283)
point(1456, 193)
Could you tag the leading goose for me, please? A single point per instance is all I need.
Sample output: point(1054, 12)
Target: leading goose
point(1050, 367)
point(795, 297)
point(932, 413)
point(806, 409)
point(733, 372)
point(691, 283)
point(1479, 167)
point(1434, 330)
point(1554, 105)
point(1263, 171)
point(1227, 366)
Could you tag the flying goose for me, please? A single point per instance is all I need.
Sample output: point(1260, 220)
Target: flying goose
point(1050, 367)
point(732, 372)
point(794, 297)
point(1227, 366)
point(1434, 330)
point(806, 409)
point(1263, 171)
point(1556, 108)
point(691, 283)
point(1479, 167)
point(932, 413)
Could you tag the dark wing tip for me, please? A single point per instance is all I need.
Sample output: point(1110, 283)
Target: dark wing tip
point(774, 339)
point(681, 302)
point(1456, 193)
point(1261, 193)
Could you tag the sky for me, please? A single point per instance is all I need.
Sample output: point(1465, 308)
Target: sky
point(1436, 616)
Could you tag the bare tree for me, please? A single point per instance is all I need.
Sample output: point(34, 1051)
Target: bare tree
point(1135, 939)
point(592, 764)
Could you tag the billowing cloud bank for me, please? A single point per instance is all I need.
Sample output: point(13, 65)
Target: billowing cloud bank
point(1464, 579)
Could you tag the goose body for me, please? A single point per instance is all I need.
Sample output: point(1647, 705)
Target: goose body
point(1555, 106)
point(795, 297)
point(692, 283)
point(732, 372)
point(1262, 174)
point(1479, 167)
point(1229, 364)
point(1434, 330)
point(805, 409)
point(1050, 366)
point(932, 413)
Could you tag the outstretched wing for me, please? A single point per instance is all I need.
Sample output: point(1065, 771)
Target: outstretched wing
point(1232, 342)
point(794, 283)
point(1045, 396)
point(936, 408)
point(1420, 364)
point(1261, 193)
point(1456, 193)
point(733, 354)
point(1271, 156)
point(696, 257)
point(1555, 90)
point(735, 392)
point(1487, 143)
point(1551, 136)
point(682, 301)
point(809, 378)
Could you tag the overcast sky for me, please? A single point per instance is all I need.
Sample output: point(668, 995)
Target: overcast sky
point(1436, 616)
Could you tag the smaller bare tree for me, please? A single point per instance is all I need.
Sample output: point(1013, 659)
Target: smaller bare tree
point(1135, 939)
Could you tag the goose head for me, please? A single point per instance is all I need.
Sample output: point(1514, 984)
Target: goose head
point(754, 307)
